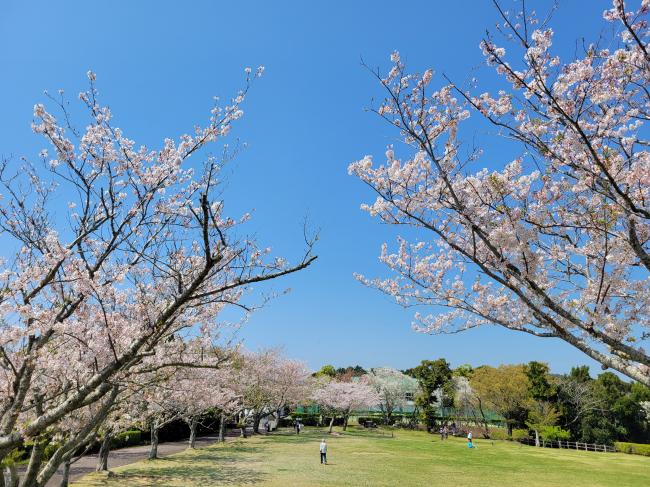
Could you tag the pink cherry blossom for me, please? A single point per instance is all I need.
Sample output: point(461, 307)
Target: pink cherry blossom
point(555, 243)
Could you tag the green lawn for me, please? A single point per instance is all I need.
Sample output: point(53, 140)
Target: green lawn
point(363, 458)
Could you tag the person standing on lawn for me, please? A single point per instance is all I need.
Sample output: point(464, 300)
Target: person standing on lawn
point(323, 451)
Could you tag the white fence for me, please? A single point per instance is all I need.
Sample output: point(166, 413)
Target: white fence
point(569, 445)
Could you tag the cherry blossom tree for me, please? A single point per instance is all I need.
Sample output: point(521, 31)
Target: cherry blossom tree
point(157, 407)
point(342, 398)
point(231, 403)
point(144, 253)
point(119, 419)
point(201, 390)
point(555, 243)
point(270, 382)
point(75, 437)
point(392, 387)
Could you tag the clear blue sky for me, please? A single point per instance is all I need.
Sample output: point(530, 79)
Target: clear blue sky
point(160, 62)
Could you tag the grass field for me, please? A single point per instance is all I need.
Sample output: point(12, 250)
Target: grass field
point(365, 458)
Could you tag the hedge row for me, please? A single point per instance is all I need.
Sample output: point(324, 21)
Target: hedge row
point(633, 448)
point(308, 419)
point(126, 438)
point(502, 434)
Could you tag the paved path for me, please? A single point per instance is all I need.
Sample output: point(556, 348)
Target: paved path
point(124, 456)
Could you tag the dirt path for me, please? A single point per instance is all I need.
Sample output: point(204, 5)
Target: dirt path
point(124, 456)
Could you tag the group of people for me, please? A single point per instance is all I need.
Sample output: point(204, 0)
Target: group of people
point(445, 430)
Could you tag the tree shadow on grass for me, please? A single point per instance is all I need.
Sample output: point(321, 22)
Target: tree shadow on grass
point(216, 458)
point(190, 474)
point(238, 447)
point(298, 440)
point(368, 433)
point(313, 435)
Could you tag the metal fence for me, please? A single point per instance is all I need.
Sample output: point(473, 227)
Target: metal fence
point(569, 445)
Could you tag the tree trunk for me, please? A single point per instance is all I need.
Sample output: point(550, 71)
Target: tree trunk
point(65, 478)
point(84, 437)
point(388, 416)
point(104, 450)
point(13, 476)
point(153, 453)
point(345, 422)
point(256, 424)
point(2, 476)
point(243, 431)
point(331, 424)
point(193, 423)
point(222, 427)
point(35, 461)
point(484, 419)
point(536, 438)
point(509, 424)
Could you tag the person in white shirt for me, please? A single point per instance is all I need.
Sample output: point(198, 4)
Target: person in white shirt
point(323, 451)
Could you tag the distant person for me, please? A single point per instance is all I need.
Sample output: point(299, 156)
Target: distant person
point(470, 442)
point(323, 451)
point(453, 429)
point(296, 425)
point(445, 432)
point(442, 433)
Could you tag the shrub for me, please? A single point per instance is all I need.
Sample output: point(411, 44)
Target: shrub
point(499, 434)
point(633, 448)
point(378, 420)
point(126, 438)
point(519, 434)
point(554, 433)
point(308, 419)
point(50, 449)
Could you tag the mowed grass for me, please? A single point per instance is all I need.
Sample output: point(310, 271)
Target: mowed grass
point(366, 458)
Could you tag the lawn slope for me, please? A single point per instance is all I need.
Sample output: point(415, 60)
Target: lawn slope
point(368, 458)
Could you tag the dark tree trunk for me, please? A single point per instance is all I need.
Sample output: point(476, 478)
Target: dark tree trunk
point(345, 422)
point(153, 453)
point(193, 423)
point(509, 423)
point(104, 450)
point(331, 424)
point(2, 476)
point(485, 423)
point(256, 424)
point(65, 477)
point(222, 427)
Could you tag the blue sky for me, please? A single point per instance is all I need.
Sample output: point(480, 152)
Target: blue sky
point(160, 62)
